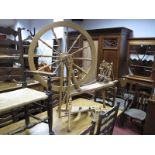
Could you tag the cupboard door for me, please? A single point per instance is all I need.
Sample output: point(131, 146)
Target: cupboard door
point(141, 59)
point(110, 48)
point(111, 56)
point(141, 56)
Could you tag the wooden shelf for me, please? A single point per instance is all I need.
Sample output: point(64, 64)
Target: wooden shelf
point(147, 53)
point(106, 48)
point(138, 78)
point(140, 66)
point(142, 47)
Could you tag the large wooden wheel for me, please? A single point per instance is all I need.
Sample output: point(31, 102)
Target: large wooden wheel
point(59, 52)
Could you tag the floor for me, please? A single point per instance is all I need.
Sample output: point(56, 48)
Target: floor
point(128, 129)
point(125, 131)
point(42, 129)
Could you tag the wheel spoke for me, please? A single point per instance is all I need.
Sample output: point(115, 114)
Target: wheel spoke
point(75, 81)
point(57, 67)
point(80, 58)
point(48, 65)
point(48, 45)
point(79, 68)
point(66, 39)
point(74, 42)
point(39, 55)
point(80, 49)
point(56, 38)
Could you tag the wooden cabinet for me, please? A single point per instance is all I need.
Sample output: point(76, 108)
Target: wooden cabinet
point(140, 60)
point(111, 45)
point(110, 51)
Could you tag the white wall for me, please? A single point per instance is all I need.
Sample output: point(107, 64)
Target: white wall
point(39, 23)
point(7, 22)
point(22, 23)
point(42, 49)
point(30, 24)
point(140, 27)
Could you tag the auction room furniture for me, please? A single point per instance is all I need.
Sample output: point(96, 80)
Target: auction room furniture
point(136, 110)
point(73, 78)
point(78, 124)
point(110, 44)
point(140, 62)
point(89, 130)
point(106, 122)
point(12, 50)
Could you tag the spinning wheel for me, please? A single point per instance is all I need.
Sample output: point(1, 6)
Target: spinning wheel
point(62, 58)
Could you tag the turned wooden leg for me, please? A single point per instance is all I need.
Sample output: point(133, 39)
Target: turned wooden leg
point(27, 119)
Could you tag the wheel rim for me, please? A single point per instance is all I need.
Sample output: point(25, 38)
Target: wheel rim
point(52, 27)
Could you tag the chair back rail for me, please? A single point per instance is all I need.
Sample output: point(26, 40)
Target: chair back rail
point(90, 130)
point(11, 56)
point(140, 99)
point(106, 121)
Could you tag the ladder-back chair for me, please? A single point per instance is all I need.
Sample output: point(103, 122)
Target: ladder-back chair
point(11, 51)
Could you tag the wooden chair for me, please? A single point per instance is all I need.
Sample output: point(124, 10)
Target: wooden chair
point(90, 130)
point(137, 108)
point(106, 121)
point(123, 95)
point(110, 96)
point(106, 75)
point(11, 49)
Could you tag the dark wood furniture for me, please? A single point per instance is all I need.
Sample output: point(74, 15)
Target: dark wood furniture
point(9, 56)
point(140, 61)
point(111, 45)
point(11, 71)
point(106, 121)
point(89, 130)
point(19, 102)
point(136, 110)
point(149, 126)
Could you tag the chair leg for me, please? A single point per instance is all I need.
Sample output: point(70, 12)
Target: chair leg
point(122, 120)
point(27, 119)
point(49, 106)
point(50, 116)
point(95, 96)
point(142, 126)
point(119, 121)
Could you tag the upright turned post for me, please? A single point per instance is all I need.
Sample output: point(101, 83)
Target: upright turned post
point(49, 106)
point(24, 83)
